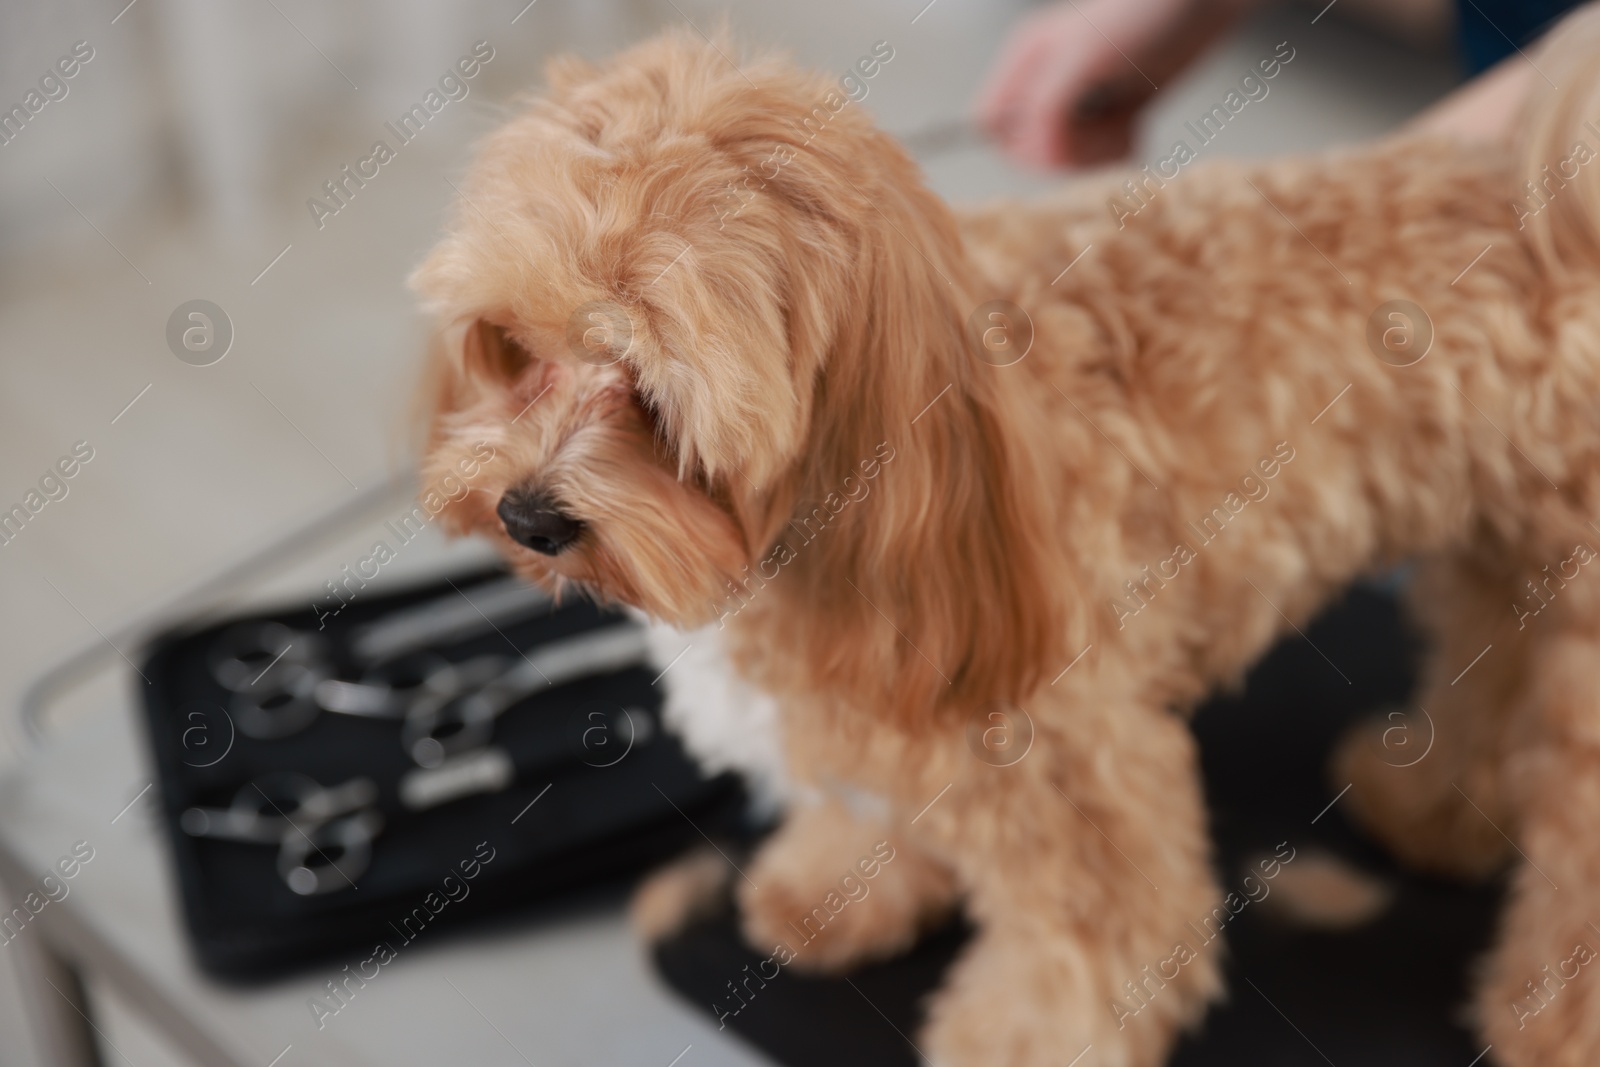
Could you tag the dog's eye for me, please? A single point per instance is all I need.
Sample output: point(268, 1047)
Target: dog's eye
point(492, 352)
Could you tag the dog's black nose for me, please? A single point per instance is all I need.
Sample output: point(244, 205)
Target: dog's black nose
point(532, 519)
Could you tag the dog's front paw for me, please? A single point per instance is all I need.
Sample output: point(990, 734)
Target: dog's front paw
point(1045, 998)
point(839, 892)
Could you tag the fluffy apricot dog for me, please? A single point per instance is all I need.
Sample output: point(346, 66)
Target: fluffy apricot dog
point(743, 371)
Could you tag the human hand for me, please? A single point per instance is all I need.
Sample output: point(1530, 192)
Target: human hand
point(1074, 75)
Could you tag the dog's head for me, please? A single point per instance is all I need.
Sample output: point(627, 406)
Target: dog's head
point(682, 299)
point(635, 303)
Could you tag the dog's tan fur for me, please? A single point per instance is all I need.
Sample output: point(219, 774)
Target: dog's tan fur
point(1220, 334)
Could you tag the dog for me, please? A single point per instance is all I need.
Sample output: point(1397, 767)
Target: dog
point(985, 502)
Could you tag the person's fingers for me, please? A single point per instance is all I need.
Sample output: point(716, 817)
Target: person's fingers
point(1063, 92)
point(1040, 134)
point(1101, 129)
point(1106, 140)
point(1008, 81)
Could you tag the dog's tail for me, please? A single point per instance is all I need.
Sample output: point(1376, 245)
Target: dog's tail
point(1558, 196)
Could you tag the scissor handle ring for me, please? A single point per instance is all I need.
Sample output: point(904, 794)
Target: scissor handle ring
point(308, 871)
point(247, 655)
point(280, 710)
point(438, 728)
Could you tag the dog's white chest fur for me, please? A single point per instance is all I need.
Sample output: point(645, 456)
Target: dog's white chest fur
point(725, 723)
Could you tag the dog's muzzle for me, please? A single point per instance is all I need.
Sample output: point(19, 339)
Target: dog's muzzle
point(533, 520)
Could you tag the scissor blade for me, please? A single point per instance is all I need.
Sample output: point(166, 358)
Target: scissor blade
point(450, 618)
point(559, 662)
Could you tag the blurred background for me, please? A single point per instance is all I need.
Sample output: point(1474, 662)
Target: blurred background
point(176, 167)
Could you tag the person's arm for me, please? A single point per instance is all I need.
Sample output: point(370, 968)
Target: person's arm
point(1485, 108)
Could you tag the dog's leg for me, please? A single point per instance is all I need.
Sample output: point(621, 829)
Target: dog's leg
point(1539, 1002)
point(1086, 866)
point(822, 886)
point(1412, 770)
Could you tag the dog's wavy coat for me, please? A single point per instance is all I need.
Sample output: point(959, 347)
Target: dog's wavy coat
point(672, 388)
